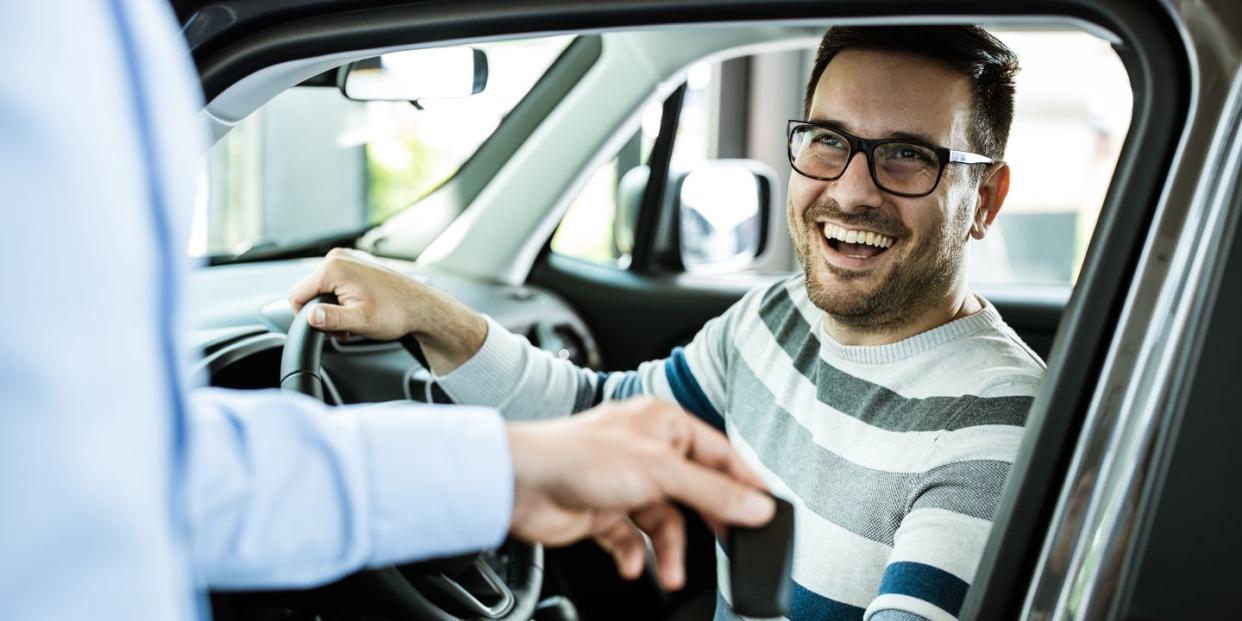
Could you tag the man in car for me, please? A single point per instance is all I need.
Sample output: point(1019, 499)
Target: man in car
point(874, 390)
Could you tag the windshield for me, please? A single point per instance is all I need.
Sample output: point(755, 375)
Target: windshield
point(311, 164)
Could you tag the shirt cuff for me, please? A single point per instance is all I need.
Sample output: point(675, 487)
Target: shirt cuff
point(490, 376)
point(442, 481)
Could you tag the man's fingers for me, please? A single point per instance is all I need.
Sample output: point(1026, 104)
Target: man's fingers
point(697, 440)
point(667, 529)
point(616, 535)
point(322, 280)
point(335, 318)
point(715, 525)
point(306, 289)
point(714, 495)
point(712, 449)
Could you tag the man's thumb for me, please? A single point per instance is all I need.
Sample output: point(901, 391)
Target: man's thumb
point(329, 318)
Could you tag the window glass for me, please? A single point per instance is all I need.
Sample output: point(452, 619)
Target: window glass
point(1071, 114)
point(586, 232)
point(694, 128)
point(311, 164)
point(590, 229)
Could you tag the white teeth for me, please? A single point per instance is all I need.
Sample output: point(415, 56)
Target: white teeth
point(832, 231)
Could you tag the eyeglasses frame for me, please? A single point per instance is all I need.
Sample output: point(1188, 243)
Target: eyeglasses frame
point(867, 147)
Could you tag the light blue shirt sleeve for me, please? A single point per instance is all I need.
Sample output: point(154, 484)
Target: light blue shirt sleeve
point(124, 492)
point(283, 492)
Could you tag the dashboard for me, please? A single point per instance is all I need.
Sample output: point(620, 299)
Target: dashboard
point(239, 318)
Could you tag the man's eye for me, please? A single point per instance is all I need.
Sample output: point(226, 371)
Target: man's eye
point(911, 153)
point(828, 140)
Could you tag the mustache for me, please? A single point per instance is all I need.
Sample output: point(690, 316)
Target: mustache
point(869, 219)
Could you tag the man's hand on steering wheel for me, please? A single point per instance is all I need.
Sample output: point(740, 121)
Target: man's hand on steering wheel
point(383, 304)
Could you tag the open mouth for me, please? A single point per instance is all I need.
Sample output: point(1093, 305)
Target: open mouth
point(853, 248)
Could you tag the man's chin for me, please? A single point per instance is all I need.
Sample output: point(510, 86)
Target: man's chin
point(829, 274)
point(847, 294)
point(855, 283)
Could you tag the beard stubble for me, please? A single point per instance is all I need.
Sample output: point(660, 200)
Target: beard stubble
point(904, 291)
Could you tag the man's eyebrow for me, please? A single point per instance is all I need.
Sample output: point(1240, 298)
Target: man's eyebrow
point(912, 137)
point(898, 135)
point(830, 123)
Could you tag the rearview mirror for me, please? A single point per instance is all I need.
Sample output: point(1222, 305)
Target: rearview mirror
point(413, 75)
point(723, 207)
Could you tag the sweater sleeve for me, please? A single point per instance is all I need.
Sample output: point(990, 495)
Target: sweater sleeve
point(526, 383)
point(938, 546)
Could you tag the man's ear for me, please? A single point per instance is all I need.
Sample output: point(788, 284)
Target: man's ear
point(992, 192)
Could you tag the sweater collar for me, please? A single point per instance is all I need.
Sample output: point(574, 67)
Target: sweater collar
point(911, 346)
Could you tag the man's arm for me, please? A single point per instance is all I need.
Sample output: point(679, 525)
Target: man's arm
point(283, 492)
point(940, 541)
point(933, 563)
point(528, 383)
point(477, 361)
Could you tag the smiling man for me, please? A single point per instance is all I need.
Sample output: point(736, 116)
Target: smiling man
point(875, 390)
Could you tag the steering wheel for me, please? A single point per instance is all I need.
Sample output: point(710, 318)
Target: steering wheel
point(460, 588)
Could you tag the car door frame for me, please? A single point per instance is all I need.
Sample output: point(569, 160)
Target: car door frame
point(1121, 276)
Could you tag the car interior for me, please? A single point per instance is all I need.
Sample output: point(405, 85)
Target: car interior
point(577, 196)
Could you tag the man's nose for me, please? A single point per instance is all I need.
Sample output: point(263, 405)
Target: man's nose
point(855, 189)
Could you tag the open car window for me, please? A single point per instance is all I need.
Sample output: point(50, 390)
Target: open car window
point(1071, 115)
point(1072, 112)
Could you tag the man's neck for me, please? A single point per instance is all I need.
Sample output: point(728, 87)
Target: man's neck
point(957, 305)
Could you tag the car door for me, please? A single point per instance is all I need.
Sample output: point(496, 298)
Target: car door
point(1179, 62)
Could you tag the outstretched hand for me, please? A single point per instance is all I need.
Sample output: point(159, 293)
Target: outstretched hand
point(612, 471)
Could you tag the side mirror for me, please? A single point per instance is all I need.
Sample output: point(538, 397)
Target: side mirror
point(629, 200)
point(723, 209)
point(411, 75)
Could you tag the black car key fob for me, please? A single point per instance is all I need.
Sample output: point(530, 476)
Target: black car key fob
point(760, 564)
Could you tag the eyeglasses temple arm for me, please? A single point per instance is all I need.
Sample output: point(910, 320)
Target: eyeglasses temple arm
point(964, 157)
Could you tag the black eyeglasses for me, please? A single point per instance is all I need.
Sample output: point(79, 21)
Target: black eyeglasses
point(898, 166)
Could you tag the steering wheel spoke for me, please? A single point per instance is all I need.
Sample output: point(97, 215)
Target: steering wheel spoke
point(476, 592)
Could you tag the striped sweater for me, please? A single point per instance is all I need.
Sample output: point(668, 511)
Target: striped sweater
point(893, 456)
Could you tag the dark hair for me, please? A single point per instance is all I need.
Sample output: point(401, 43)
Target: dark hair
point(969, 49)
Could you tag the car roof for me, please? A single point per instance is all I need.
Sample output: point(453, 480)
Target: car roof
point(206, 21)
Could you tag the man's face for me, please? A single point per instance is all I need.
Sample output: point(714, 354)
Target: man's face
point(876, 95)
